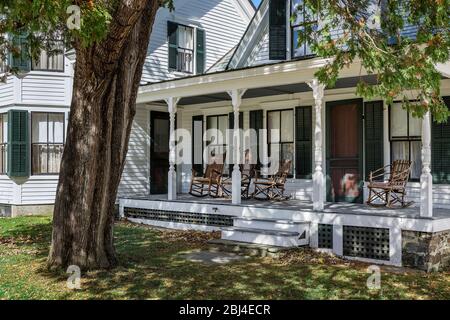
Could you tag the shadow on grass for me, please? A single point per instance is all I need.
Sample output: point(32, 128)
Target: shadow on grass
point(152, 266)
point(27, 232)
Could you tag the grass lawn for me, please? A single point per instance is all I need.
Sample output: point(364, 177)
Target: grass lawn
point(152, 267)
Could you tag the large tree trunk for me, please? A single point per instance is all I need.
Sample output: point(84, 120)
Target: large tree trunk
point(106, 82)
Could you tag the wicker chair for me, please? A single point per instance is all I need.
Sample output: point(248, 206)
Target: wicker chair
point(392, 190)
point(273, 188)
point(210, 182)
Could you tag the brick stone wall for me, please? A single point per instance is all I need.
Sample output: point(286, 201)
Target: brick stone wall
point(426, 251)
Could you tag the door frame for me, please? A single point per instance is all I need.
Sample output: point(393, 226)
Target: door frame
point(155, 115)
point(360, 107)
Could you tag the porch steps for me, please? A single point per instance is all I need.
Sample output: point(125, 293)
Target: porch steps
point(245, 248)
point(267, 231)
point(268, 224)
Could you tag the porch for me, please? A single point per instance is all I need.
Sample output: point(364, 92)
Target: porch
point(337, 142)
point(292, 206)
point(334, 151)
point(398, 237)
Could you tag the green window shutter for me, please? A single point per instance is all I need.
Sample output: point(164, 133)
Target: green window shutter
point(374, 151)
point(172, 36)
point(21, 60)
point(257, 124)
point(277, 29)
point(197, 167)
point(303, 142)
point(200, 52)
point(231, 127)
point(18, 144)
point(440, 150)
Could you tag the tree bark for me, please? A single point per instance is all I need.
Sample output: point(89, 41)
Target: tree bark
point(106, 82)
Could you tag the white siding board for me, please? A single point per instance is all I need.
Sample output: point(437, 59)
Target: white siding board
point(7, 91)
point(221, 20)
point(5, 189)
point(136, 173)
point(39, 190)
point(44, 89)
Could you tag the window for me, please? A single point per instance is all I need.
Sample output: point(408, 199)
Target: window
point(216, 135)
point(186, 48)
point(181, 47)
point(280, 131)
point(50, 61)
point(47, 142)
point(406, 138)
point(301, 21)
point(3, 67)
point(3, 141)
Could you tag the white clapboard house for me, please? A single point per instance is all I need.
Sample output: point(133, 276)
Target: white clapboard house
point(34, 106)
point(255, 77)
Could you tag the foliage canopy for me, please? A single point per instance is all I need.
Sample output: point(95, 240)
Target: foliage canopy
point(373, 32)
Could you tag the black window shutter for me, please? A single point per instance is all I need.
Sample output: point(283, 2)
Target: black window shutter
point(231, 127)
point(18, 144)
point(303, 142)
point(200, 53)
point(374, 151)
point(440, 150)
point(277, 29)
point(199, 166)
point(257, 123)
point(172, 36)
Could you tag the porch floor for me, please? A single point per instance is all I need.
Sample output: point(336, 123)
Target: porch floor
point(299, 205)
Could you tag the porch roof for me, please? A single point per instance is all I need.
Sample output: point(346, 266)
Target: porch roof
point(287, 77)
point(271, 91)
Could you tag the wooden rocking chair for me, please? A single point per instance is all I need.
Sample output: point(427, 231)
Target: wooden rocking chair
point(393, 190)
point(209, 183)
point(273, 188)
point(247, 175)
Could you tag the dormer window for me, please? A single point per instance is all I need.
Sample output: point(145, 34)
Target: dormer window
point(302, 20)
point(185, 61)
point(50, 60)
point(186, 48)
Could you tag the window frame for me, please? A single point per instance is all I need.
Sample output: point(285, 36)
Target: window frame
point(224, 145)
point(50, 70)
point(47, 143)
point(4, 145)
point(291, 175)
point(409, 139)
point(193, 51)
point(292, 27)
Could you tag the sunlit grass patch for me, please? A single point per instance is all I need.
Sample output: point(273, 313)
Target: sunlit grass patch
point(153, 266)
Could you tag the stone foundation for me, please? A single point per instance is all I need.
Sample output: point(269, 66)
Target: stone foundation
point(5, 210)
point(31, 210)
point(426, 251)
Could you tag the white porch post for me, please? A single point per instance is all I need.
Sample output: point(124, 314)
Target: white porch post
point(236, 100)
point(172, 175)
point(426, 179)
point(318, 195)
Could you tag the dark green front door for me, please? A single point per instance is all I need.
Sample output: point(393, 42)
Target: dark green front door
point(159, 152)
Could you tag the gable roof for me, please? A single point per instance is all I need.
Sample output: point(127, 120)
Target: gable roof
point(255, 30)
